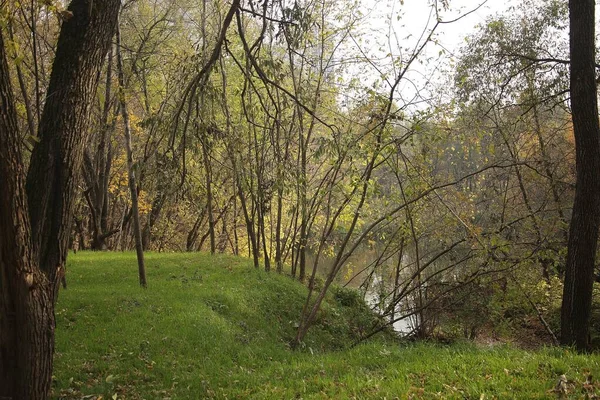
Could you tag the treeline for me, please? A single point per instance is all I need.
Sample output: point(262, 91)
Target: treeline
point(286, 132)
point(256, 130)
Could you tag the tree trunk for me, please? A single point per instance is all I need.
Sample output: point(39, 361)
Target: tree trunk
point(278, 244)
point(96, 169)
point(157, 205)
point(36, 215)
point(63, 131)
point(26, 315)
point(253, 245)
point(137, 232)
point(303, 213)
point(583, 233)
point(193, 233)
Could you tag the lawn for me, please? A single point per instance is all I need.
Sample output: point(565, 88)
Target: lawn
point(215, 327)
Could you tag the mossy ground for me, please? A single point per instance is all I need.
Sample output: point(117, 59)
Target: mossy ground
point(214, 327)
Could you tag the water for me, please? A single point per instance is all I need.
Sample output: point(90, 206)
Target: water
point(404, 326)
point(351, 274)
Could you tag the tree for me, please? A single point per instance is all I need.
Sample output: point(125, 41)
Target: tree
point(137, 232)
point(36, 212)
point(585, 221)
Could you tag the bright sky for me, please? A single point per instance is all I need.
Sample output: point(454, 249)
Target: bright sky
point(415, 13)
point(410, 19)
point(454, 33)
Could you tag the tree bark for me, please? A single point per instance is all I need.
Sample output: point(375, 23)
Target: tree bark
point(155, 211)
point(96, 169)
point(585, 221)
point(26, 315)
point(63, 131)
point(36, 215)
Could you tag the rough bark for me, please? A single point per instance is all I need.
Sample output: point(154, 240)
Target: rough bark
point(36, 214)
point(96, 169)
point(583, 232)
point(26, 316)
point(63, 131)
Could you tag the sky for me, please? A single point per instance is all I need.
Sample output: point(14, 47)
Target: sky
point(414, 15)
point(453, 34)
point(410, 19)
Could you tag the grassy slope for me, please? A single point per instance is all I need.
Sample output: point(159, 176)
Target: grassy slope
point(216, 327)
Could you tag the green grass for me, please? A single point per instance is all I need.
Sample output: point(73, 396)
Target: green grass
point(214, 327)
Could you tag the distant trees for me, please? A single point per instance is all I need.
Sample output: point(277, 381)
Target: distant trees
point(530, 68)
point(250, 138)
point(255, 129)
point(36, 211)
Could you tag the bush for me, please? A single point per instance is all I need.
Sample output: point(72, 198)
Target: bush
point(347, 297)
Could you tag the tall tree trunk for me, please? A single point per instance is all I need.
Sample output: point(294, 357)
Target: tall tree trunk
point(278, 239)
point(583, 233)
point(63, 131)
point(36, 215)
point(303, 212)
point(252, 236)
point(236, 248)
point(26, 315)
point(137, 232)
point(252, 239)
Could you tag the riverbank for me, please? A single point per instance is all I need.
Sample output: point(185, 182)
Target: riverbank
point(214, 327)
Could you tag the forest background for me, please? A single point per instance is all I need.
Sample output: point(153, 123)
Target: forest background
point(438, 181)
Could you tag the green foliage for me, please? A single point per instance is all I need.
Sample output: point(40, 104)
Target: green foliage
point(347, 297)
point(499, 58)
point(499, 307)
